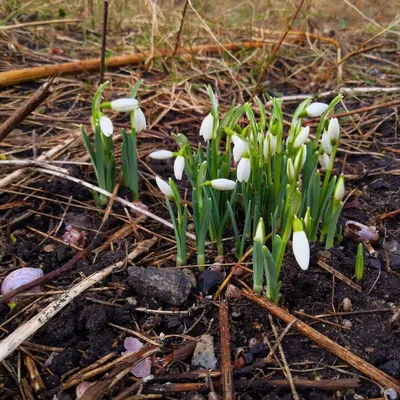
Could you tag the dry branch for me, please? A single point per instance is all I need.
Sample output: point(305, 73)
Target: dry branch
point(369, 370)
point(226, 364)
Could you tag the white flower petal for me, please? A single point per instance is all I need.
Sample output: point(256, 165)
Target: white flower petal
point(324, 160)
point(206, 128)
point(326, 143)
point(140, 120)
point(243, 170)
point(333, 130)
point(240, 146)
point(260, 231)
point(316, 109)
point(179, 166)
point(223, 184)
point(164, 187)
point(106, 126)
point(301, 249)
point(301, 137)
point(339, 189)
point(161, 155)
point(124, 105)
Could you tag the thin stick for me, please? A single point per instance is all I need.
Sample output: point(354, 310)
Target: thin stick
point(180, 28)
point(104, 41)
point(38, 23)
point(19, 115)
point(340, 276)
point(8, 345)
point(369, 370)
point(278, 45)
point(226, 363)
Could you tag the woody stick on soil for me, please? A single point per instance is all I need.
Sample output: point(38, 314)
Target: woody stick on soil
point(369, 370)
point(226, 364)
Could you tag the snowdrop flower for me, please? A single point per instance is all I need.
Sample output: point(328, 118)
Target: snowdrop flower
point(300, 245)
point(333, 131)
point(243, 170)
point(206, 128)
point(301, 137)
point(124, 105)
point(164, 187)
point(221, 184)
point(307, 219)
point(161, 155)
point(290, 170)
point(140, 120)
point(106, 126)
point(270, 143)
point(316, 109)
point(324, 160)
point(179, 166)
point(300, 158)
point(240, 146)
point(326, 143)
point(339, 189)
point(260, 231)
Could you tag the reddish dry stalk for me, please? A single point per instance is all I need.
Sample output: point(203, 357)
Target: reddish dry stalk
point(226, 365)
point(369, 370)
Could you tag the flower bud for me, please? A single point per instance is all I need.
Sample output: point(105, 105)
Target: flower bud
point(316, 109)
point(300, 245)
point(333, 131)
point(243, 170)
point(179, 166)
point(339, 189)
point(301, 137)
point(164, 187)
point(260, 231)
point(324, 160)
point(106, 126)
point(161, 155)
point(124, 105)
point(221, 184)
point(140, 120)
point(326, 143)
point(206, 128)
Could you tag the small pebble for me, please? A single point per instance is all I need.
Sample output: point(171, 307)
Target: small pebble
point(347, 324)
point(233, 292)
point(347, 306)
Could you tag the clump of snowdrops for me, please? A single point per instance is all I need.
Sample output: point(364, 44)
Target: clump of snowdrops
point(102, 152)
point(266, 186)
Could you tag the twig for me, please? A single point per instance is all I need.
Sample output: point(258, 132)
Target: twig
point(104, 41)
point(278, 45)
point(226, 364)
point(38, 23)
point(180, 27)
point(8, 345)
point(340, 276)
point(19, 115)
point(369, 370)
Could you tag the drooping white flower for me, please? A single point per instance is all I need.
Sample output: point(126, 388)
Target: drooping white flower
point(339, 189)
point(161, 155)
point(270, 144)
point(326, 143)
point(106, 125)
point(316, 109)
point(301, 137)
point(260, 231)
point(179, 166)
point(300, 245)
point(124, 105)
point(324, 160)
point(164, 187)
point(206, 128)
point(223, 184)
point(300, 158)
point(333, 130)
point(240, 146)
point(140, 120)
point(243, 170)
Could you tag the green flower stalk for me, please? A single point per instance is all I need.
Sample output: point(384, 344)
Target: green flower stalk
point(102, 153)
point(179, 220)
point(359, 262)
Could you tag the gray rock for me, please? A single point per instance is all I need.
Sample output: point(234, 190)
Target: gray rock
point(166, 284)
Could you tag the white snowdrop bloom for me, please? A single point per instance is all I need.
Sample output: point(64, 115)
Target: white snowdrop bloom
point(161, 155)
point(240, 146)
point(179, 166)
point(339, 189)
point(164, 187)
point(324, 160)
point(223, 184)
point(326, 143)
point(333, 130)
point(260, 231)
point(243, 170)
point(140, 120)
point(270, 143)
point(301, 137)
point(316, 109)
point(206, 128)
point(124, 105)
point(106, 125)
point(300, 245)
